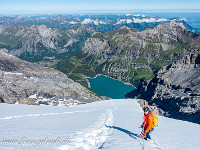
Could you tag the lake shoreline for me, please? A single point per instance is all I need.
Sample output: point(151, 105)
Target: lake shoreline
point(86, 78)
point(104, 85)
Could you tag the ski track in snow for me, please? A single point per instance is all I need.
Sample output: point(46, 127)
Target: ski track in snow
point(153, 143)
point(94, 137)
point(46, 114)
point(109, 127)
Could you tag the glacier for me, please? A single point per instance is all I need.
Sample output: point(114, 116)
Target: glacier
point(109, 124)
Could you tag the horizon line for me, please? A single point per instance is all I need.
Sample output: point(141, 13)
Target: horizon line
point(134, 10)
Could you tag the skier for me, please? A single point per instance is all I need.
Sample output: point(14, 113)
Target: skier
point(148, 124)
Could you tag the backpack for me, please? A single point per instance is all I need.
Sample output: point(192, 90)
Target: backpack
point(155, 119)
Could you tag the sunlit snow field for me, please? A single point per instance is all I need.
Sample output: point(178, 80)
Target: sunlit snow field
point(110, 124)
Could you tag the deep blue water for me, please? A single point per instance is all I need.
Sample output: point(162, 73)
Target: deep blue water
point(105, 86)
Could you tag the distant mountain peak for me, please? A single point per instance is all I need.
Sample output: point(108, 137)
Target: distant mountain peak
point(125, 27)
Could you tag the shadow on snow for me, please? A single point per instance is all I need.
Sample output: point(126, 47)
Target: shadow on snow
point(131, 134)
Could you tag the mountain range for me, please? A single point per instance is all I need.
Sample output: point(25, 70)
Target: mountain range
point(101, 23)
point(37, 42)
point(53, 38)
point(140, 50)
point(130, 55)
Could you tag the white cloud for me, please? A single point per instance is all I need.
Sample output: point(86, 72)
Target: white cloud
point(96, 22)
point(148, 20)
point(139, 15)
point(136, 20)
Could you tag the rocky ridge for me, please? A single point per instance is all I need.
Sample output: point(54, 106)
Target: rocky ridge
point(164, 37)
point(36, 40)
point(24, 82)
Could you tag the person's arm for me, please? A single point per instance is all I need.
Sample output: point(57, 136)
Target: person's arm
point(143, 124)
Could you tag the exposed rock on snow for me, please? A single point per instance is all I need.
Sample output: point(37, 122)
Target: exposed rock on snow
point(24, 82)
point(153, 109)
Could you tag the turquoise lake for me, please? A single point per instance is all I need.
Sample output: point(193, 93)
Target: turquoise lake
point(105, 86)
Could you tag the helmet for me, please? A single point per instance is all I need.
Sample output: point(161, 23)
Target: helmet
point(146, 108)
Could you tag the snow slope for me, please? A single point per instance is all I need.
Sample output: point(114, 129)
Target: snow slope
point(110, 125)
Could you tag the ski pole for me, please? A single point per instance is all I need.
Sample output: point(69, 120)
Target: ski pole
point(143, 137)
point(143, 143)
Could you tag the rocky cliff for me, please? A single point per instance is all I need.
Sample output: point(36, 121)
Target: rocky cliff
point(24, 82)
point(38, 41)
point(130, 44)
point(176, 89)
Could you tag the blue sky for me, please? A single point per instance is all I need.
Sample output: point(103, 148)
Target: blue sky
point(67, 5)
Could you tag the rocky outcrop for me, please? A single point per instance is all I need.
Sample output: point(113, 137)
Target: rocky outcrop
point(1, 100)
point(176, 89)
point(24, 82)
point(153, 109)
